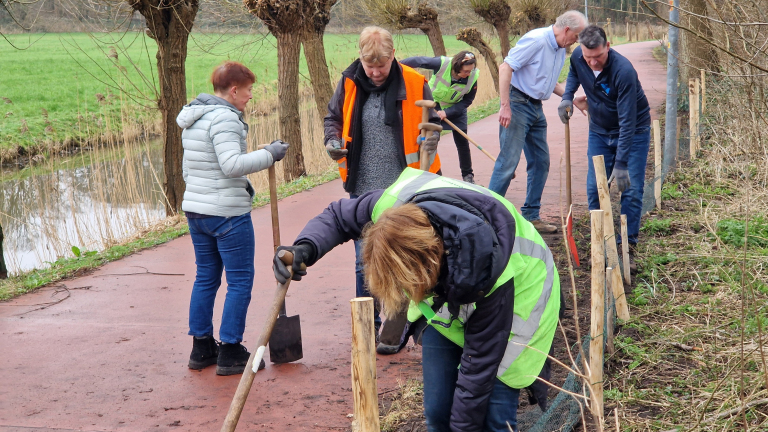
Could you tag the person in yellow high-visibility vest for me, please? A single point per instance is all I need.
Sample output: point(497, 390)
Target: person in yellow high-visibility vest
point(480, 285)
point(454, 86)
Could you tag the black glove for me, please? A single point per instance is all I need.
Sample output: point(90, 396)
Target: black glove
point(430, 142)
point(302, 253)
point(565, 110)
point(335, 151)
point(277, 148)
point(622, 179)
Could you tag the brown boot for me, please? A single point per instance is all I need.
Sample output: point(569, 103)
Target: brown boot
point(543, 227)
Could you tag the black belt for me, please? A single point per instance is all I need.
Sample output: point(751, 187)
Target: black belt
point(525, 96)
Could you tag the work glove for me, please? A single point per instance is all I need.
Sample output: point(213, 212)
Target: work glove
point(565, 110)
point(302, 253)
point(430, 142)
point(335, 151)
point(277, 148)
point(622, 179)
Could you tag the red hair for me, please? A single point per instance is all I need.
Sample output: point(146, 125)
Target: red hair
point(229, 74)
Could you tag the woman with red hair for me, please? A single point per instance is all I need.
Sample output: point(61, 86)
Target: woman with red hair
point(217, 203)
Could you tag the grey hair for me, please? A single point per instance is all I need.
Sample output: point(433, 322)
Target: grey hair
point(573, 19)
point(593, 37)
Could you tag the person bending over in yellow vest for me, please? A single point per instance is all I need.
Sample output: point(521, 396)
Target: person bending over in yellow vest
point(454, 86)
point(479, 283)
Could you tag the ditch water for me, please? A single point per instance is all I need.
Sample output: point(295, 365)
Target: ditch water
point(88, 201)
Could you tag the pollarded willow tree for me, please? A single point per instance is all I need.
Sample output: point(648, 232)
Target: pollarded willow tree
point(286, 20)
point(169, 23)
point(496, 13)
point(472, 37)
point(314, 52)
point(400, 15)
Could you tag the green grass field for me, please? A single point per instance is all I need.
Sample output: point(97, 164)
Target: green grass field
point(64, 74)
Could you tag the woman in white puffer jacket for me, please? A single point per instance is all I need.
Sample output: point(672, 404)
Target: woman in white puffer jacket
point(217, 203)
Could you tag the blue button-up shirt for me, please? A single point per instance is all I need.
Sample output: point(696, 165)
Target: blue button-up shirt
point(536, 60)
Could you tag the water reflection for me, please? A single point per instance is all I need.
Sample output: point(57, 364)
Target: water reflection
point(89, 201)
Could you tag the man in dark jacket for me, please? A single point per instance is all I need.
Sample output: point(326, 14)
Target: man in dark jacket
point(619, 126)
point(464, 261)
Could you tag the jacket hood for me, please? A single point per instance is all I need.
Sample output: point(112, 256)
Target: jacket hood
point(202, 105)
point(477, 241)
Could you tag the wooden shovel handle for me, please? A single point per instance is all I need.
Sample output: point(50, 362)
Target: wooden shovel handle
point(273, 202)
point(244, 387)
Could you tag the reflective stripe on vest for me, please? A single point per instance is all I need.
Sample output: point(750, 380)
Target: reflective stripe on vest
point(411, 117)
point(443, 91)
point(537, 287)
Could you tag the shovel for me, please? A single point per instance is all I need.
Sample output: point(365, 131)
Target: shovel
point(246, 381)
point(285, 343)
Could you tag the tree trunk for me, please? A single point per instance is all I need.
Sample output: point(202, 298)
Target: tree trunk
point(169, 24)
point(503, 31)
point(699, 54)
point(435, 36)
point(288, 51)
point(472, 37)
point(3, 268)
point(314, 52)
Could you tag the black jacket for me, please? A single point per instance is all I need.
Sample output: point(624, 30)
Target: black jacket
point(617, 102)
point(478, 234)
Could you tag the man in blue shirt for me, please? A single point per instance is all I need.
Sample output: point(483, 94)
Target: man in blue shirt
point(619, 124)
point(529, 75)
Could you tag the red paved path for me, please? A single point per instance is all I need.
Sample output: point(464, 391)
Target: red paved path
point(113, 355)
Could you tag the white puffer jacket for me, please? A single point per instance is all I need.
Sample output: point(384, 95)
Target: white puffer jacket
point(215, 158)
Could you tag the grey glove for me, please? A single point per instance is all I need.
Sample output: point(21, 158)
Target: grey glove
point(622, 179)
point(302, 253)
point(565, 110)
point(430, 142)
point(335, 151)
point(277, 148)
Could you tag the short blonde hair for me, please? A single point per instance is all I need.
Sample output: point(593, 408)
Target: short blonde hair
point(376, 45)
point(402, 255)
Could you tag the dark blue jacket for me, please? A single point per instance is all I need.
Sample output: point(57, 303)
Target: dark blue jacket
point(478, 234)
point(617, 102)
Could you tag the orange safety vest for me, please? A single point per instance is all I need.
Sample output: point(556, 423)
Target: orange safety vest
point(414, 90)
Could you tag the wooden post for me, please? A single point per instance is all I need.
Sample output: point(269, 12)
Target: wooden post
point(629, 35)
point(598, 308)
point(703, 92)
point(697, 113)
point(610, 31)
point(691, 117)
point(625, 250)
point(364, 393)
point(621, 300)
point(604, 195)
point(657, 162)
point(610, 318)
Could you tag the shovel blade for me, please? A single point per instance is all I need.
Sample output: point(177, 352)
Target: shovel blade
point(285, 341)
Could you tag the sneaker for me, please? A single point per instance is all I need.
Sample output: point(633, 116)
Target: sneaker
point(232, 359)
point(469, 178)
point(543, 227)
point(205, 352)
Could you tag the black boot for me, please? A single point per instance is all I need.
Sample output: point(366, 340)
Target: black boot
point(205, 352)
point(233, 358)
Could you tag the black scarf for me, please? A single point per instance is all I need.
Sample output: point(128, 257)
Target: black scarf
point(364, 86)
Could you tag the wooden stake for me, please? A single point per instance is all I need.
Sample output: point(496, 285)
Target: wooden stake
point(610, 317)
point(691, 117)
point(697, 112)
point(625, 250)
point(629, 35)
point(610, 31)
point(364, 393)
point(604, 195)
point(621, 299)
point(598, 308)
point(657, 162)
point(703, 92)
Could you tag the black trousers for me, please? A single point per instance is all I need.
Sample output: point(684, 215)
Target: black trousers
point(462, 145)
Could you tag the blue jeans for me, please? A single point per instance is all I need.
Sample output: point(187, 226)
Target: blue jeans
point(361, 289)
point(631, 199)
point(222, 243)
point(440, 359)
point(527, 131)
